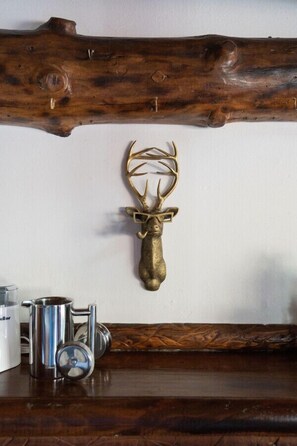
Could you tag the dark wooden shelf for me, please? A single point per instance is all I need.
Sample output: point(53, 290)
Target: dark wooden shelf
point(162, 397)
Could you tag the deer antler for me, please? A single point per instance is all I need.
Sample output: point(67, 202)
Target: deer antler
point(172, 172)
point(146, 155)
point(134, 173)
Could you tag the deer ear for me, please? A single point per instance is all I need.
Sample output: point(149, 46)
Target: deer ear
point(130, 211)
point(174, 210)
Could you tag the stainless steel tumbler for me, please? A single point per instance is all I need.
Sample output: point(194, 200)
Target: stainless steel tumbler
point(53, 352)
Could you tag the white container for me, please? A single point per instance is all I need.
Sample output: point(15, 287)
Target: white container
point(10, 348)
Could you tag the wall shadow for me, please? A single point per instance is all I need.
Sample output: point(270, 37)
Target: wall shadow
point(270, 293)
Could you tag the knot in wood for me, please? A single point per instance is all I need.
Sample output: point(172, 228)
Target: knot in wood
point(220, 55)
point(217, 118)
point(59, 25)
point(229, 54)
point(53, 80)
point(158, 77)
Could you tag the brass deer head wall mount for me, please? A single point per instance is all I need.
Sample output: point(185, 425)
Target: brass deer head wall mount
point(151, 216)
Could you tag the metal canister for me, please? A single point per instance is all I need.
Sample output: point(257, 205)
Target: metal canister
point(53, 352)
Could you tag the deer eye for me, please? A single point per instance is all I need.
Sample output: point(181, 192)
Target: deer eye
point(139, 217)
point(167, 218)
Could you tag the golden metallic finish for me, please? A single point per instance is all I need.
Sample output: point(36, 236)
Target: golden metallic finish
point(152, 267)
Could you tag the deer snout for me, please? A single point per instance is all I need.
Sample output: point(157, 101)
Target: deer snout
point(154, 227)
point(152, 284)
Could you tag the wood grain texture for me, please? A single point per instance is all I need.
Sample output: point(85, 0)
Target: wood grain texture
point(195, 337)
point(201, 440)
point(55, 80)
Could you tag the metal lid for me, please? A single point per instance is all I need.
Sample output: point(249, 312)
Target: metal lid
point(6, 288)
point(102, 338)
point(75, 360)
point(53, 300)
point(7, 295)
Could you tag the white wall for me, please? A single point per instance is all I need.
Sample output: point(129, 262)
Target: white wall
point(231, 252)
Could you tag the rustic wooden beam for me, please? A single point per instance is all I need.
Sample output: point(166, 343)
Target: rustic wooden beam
point(202, 337)
point(53, 79)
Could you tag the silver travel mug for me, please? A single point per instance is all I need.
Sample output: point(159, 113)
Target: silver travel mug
point(53, 352)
